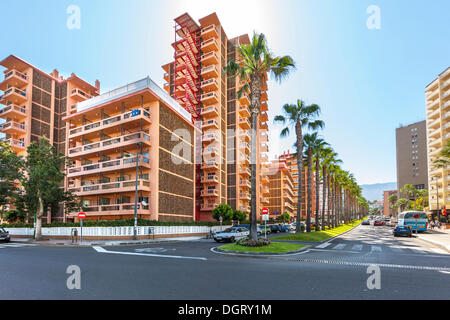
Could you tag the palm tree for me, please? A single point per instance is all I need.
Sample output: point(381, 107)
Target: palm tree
point(300, 117)
point(312, 145)
point(318, 149)
point(329, 157)
point(257, 61)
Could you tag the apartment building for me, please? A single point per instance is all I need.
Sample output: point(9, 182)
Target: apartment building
point(387, 210)
point(135, 142)
point(291, 162)
point(437, 95)
point(33, 104)
point(197, 80)
point(412, 163)
point(281, 190)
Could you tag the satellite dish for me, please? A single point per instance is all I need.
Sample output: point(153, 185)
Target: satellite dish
point(144, 203)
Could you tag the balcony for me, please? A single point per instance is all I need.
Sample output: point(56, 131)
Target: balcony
point(208, 206)
point(245, 195)
point(433, 114)
point(209, 193)
point(264, 178)
point(265, 200)
point(244, 208)
point(445, 74)
point(446, 105)
point(14, 78)
point(210, 112)
point(244, 159)
point(209, 98)
point(210, 137)
point(244, 111)
point(245, 171)
point(264, 137)
point(445, 84)
point(14, 112)
point(106, 166)
point(210, 165)
point(113, 143)
point(131, 116)
point(208, 124)
point(79, 95)
point(434, 142)
point(264, 126)
point(264, 106)
point(264, 147)
point(209, 85)
point(210, 151)
point(433, 104)
point(244, 100)
point(445, 95)
point(210, 45)
point(264, 158)
point(209, 32)
point(209, 179)
point(244, 135)
point(16, 145)
point(112, 187)
point(244, 147)
point(264, 117)
point(209, 59)
point(264, 96)
point(209, 72)
point(14, 96)
point(434, 124)
point(245, 183)
point(434, 133)
point(244, 123)
point(13, 127)
point(116, 209)
point(432, 94)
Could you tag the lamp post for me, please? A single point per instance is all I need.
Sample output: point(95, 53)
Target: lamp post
point(437, 199)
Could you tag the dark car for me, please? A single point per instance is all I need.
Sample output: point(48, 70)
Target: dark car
point(284, 227)
point(275, 228)
point(4, 235)
point(366, 223)
point(402, 231)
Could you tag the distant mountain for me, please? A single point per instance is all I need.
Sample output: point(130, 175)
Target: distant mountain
point(375, 191)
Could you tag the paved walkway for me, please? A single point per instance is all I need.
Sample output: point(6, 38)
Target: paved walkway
point(61, 242)
point(440, 238)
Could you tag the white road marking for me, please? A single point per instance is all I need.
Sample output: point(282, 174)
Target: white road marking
point(440, 251)
point(101, 250)
point(375, 249)
point(339, 246)
point(396, 249)
point(16, 245)
point(324, 245)
point(418, 251)
point(357, 247)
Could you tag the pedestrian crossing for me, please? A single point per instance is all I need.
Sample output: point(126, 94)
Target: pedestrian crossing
point(15, 245)
point(379, 249)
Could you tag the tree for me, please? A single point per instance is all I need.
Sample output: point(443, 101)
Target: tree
point(223, 210)
point(444, 157)
point(410, 191)
point(300, 117)
point(10, 172)
point(312, 144)
point(239, 215)
point(284, 217)
point(42, 179)
point(257, 61)
point(329, 157)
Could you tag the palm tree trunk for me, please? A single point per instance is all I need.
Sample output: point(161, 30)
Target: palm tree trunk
point(255, 96)
point(324, 195)
point(298, 131)
point(308, 209)
point(39, 216)
point(317, 195)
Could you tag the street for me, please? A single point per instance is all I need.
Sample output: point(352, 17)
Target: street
point(410, 269)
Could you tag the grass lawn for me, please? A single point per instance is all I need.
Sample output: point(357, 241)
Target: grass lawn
point(274, 247)
point(318, 235)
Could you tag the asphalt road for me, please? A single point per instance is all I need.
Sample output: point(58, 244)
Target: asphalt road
point(409, 269)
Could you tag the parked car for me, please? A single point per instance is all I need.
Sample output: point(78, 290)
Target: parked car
point(275, 228)
point(264, 229)
point(294, 225)
point(247, 226)
point(231, 234)
point(365, 222)
point(402, 231)
point(4, 235)
point(284, 227)
point(378, 223)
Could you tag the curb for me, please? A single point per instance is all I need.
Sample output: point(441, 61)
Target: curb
point(435, 243)
point(103, 244)
point(256, 254)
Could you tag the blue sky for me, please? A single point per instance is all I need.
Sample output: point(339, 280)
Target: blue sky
point(367, 82)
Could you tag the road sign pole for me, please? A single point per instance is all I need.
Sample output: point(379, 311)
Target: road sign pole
point(81, 230)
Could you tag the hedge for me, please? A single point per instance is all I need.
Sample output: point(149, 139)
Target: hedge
point(112, 223)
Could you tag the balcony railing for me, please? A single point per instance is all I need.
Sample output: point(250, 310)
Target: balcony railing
point(111, 187)
point(14, 143)
point(13, 107)
point(117, 208)
point(77, 91)
point(105, 122)
point(107, 165)
point(13, 90)
point(96, 146)
point(12, 125)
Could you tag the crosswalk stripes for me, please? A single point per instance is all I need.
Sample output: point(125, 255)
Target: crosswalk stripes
point(16, 245)
point(375, 249)
point(440, 251)
point(323, 245)
point(339, 246)
point(357, 247)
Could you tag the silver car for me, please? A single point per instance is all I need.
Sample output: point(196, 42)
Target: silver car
point(231, 234)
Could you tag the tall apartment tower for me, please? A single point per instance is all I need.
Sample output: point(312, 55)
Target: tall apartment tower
point(411, 147)
point(281, 196)
point(107, 136)
point(33, 104)
point(197, 80)
point(437, 95)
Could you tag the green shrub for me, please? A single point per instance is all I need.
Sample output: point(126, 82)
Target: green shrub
point(247, 242)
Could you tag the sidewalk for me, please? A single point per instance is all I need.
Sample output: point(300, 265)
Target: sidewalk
point(439, 238)
point(88, 243)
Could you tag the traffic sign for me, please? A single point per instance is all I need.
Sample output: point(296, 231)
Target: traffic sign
point(220, 219)
point(265, 211)
point(444, 212)
point(265, 217)
point(81, 215)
